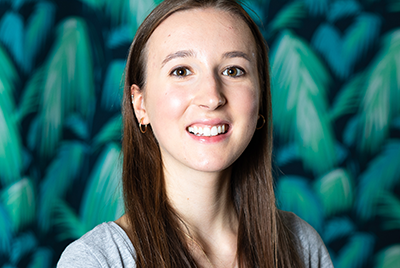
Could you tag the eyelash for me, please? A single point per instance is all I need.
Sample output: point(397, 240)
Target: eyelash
point(175, 72)
point(239, 72)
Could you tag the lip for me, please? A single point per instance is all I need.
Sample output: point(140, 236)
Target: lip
point(210, 123)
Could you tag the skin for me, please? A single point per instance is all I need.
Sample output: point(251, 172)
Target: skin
point(203, 77)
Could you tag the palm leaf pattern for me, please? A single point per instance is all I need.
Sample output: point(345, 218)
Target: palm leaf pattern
point(335, 89)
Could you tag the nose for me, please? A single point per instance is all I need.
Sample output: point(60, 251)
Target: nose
point(209, 93)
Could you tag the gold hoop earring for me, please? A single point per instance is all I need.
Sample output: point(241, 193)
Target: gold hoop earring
point(263, 123)
point(140, 126)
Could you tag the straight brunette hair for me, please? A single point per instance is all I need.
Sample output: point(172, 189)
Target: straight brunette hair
point(155, 232)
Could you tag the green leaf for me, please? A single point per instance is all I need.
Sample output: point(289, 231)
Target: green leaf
point(337, 228)
point(129, 12)
point(12, 35)
point(67, 221)
point(6, 231)
point(60, 175)
point(113, 86)
point(348, 99)
point(22, 245)
point(42, 258)
point(317, 7)
point(290, 16)
point(102, 199)
point(19, 202)
point(299, 85)
point(78, 126)
point(30, 95)
point(294, 194)
point(95, 4)
point(389, 257)
point(389, 209)
point(39, 26)
point(394, 5)
point(335, 190)
point(111, 131)
point(69, 83)
point(8, 73)
point(383, 173)
point(380, 102)
point(356, 252)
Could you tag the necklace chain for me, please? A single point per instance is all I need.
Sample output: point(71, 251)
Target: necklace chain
point(203, 251)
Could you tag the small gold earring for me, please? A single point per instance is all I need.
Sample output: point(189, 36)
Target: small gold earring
point(263, 123)
point(140, 126)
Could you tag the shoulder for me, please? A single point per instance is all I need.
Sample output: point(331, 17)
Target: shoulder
point(310, 245)
point(107, 245)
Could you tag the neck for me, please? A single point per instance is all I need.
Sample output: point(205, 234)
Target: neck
point(204, 202)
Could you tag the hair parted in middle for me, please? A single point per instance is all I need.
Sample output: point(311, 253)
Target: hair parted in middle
point(155, 232)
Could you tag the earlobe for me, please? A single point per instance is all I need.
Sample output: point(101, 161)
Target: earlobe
point(138, 104)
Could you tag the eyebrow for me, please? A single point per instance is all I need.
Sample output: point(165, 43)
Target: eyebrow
point(178, 54)
point(236, 54)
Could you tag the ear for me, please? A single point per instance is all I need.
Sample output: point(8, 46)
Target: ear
point(138, 104)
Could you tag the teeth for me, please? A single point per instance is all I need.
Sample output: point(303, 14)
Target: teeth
point(206, 131)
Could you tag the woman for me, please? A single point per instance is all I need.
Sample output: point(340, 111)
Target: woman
point(197, 148)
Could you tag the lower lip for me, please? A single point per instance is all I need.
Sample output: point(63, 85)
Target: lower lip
point(209, 139)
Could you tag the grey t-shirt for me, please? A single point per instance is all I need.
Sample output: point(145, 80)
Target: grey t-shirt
point(107, 245)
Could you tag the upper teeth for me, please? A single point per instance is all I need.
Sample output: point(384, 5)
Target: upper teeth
point(207, 131)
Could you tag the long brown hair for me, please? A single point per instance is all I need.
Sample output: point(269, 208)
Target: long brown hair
point(263, 239)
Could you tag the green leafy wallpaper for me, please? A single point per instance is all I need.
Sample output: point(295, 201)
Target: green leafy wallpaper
point(335, 69)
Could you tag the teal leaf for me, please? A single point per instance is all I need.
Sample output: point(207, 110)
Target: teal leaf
point(67, 221)
point(337, 228)
point(10, 142)
point(290, 16)
point(356, 252)
point(335, 190)
point(12, 35)
point(60, 175)
point(294, 194)
point(388, 257)
point(343, 8)
point(299, 87)
point(347, 101)
point(317, 7)
point(287, 154)
point(78, 126)
point(113, 86)
point(379, 104)
point(128, 12)
point(8, 73)
point(120, 35)
point(38, 29)
point(394, 5)
point(6, 230)
point(16, 4)
point(350, 131)
point(383, 173)
point(111, 131)
point(342, 52)
point(22, 245)
point(69, 83)
point(42, 258)
point(389, 209)
point(102, 199)
point(30, 95)
point(396, 123)
point(19, 201)
point(94, 4)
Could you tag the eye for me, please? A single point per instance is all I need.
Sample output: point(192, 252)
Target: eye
point(181, 72)
point(233, 72)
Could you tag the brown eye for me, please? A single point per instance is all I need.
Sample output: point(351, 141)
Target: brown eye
point(233, 72)
point(181, 72)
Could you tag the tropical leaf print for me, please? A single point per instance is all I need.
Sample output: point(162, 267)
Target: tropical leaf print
point(299, 91)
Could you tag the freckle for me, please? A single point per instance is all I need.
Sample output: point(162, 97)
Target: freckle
point(188, 199)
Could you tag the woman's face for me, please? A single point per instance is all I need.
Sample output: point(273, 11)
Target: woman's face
point(202, 91)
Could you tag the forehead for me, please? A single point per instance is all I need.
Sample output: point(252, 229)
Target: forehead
point(202, 29)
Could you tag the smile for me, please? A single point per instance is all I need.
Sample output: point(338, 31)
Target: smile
point(208, 131)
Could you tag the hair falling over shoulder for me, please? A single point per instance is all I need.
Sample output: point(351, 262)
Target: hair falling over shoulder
point(263, 240)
